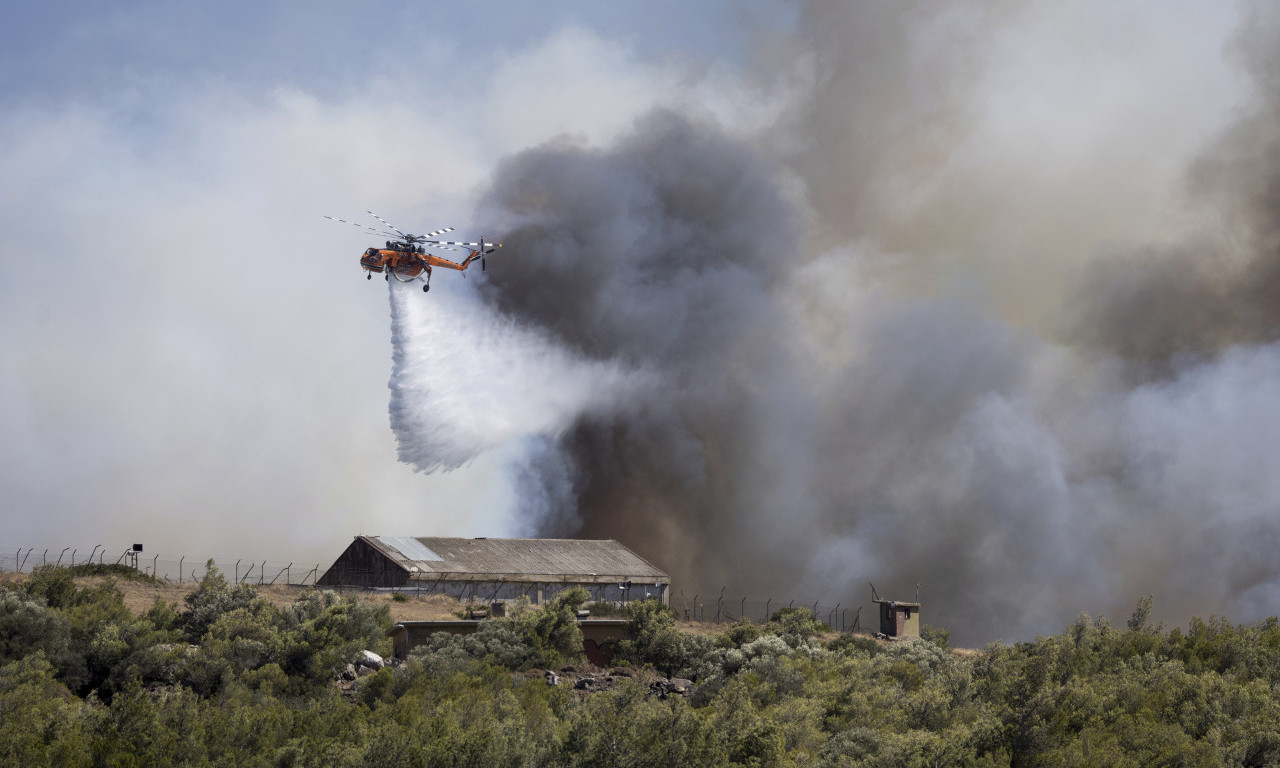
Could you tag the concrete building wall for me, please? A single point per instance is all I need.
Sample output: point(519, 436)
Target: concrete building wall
point(899, 619)
point(362, 565)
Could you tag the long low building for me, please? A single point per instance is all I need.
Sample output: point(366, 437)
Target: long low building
point(498, 569)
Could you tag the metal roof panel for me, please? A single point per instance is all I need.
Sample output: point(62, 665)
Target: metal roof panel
point(553, 558)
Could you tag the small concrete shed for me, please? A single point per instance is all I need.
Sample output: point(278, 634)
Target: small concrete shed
point(899, 619)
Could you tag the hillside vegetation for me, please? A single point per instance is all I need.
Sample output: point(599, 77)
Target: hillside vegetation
point(231, 678)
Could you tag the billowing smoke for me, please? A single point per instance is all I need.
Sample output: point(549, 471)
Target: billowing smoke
point(837, 390)
point(1164, 306)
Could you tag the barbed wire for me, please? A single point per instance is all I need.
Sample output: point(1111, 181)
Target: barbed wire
point(184, 569)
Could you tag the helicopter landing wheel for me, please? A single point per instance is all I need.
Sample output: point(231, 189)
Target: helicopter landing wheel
point(426, 287)
point(369, 276)
point(386, 277)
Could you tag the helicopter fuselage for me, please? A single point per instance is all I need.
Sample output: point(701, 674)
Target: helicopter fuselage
point(409, 261)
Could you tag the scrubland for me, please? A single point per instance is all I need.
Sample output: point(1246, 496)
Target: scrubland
point(100, 671)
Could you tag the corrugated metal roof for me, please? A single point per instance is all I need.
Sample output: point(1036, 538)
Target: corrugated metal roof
point(555, 559)
point(411, 549)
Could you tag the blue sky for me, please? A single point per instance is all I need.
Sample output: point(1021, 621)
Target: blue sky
point(59, 49)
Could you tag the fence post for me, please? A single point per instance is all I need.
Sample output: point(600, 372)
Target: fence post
point(237, 581)
point(742, 608)
point(91, 554)
point(261, 571)
point(184, 557)
point(155, 568)
point(60, 554)
point(284, 570)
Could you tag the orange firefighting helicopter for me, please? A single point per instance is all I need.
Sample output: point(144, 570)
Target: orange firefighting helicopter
point(405, 258)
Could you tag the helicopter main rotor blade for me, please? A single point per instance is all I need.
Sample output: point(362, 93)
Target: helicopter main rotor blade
point(387, 223)
point(465, 245)
point(423, 238)
point(361, 226)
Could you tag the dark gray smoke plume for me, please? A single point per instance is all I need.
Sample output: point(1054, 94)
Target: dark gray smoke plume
point(1162, 307)
point(814, 416)
point(662, 253)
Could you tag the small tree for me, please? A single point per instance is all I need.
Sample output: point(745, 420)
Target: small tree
point(1141, 614)
point(553, 632)
point(55, 585)
point(211, 599)
point(652, 637)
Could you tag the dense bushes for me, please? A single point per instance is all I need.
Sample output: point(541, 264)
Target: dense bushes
point(233, 680)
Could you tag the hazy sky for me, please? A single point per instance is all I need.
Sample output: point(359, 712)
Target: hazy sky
point(193, 359)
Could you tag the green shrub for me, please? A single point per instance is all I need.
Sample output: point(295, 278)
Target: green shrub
point(212, 599)
point(795, 625)
point(28, 626)
point(851, 643)
point(738, 634)
point(53, 585)
point(652, 637)
point(605, 610)
point(114, 571)
point(498, 641)
point(553, 632)
point(936, 635)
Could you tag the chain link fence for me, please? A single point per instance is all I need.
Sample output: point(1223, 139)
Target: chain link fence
point(722, 607)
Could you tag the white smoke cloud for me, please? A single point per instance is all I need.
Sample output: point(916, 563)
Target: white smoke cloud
point(465, 382)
